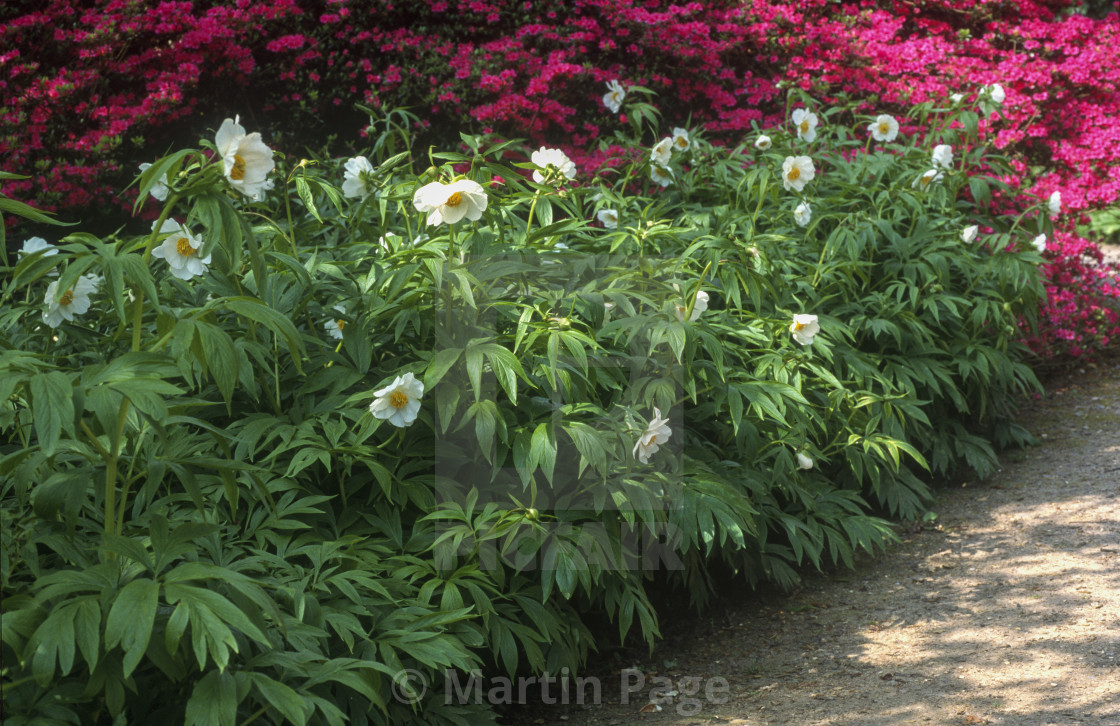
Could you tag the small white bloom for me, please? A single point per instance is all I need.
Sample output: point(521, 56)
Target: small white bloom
point(656, 433)
point(956, 97)
point(613, 98)
point(1040, 243)
point(1055, 204)
point(399, 401)
point(943, 156)
point(662, 151)
point(159, 190)
point(885, 128)
point(968, 234)
point(803, 215)
point(450, 203)
point(608, 218)
point(806, 123)
point(356, 178)
point(995, 92)
point(545, 158)
point(334, 326)
point(925, 180)
point(698, 308)
point(662, 176)
point(797, 171)
point(804, 460)
point(762, 143)
point(246, 159)
point(804, 328)
point(36, 244)
point(180, 249)
point(608, 308)
point(74, 301)
point(680, 139)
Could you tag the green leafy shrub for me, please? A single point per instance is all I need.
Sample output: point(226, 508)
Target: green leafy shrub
point(204, 519)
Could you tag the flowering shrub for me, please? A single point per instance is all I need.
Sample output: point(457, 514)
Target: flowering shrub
point(336, 443)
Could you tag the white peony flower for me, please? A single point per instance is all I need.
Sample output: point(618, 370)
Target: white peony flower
point(608, 218)
point(662, 151)
point(1055, 204)
point(698, 308)
point(885, 128)
point(656, 433)
point(1039, 243)
point(450, 202)
point(943, 156)
point(160, 190)
point(806, 123)
point(925, 180)
point(399, 402)
point(803, 214)
point(662, 176)
point(36, 244)
point(613, 98)
point(804, 460)
point(180, 249)
point(968, 234)
point(762, 143)
point(335, 326)
point(246, 160)
point(356, 178)
point(994, 92)
point(680, 139)
point(74, 301)
point(545, 158)
point(797, 171)
point(804, 328)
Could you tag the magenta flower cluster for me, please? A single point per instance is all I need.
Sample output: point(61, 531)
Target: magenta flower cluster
point(86, 86)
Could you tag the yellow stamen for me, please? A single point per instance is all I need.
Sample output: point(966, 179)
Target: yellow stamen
point(794, 174)
point(183, 247)
point(798, 326)
point(682, 141)
point(398, 399)
point(884, 128)
point(237, 173)
point(926, 180)
point(454, 200)
point(341, 324)
point(67, 298)
point(805, 126)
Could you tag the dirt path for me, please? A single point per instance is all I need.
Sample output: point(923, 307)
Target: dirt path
point(1007, 611)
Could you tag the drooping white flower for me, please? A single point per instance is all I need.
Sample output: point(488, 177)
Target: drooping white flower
point(608, 218)
point(180, 249)
point(613, 98)
point(399, 402)
point(159, 190)
point(927, 179)
point(74, 301)
point(804, 460)
point(656, 434)
point(804, 328)
point(995, 93)
point(698, 308)
point(943, 156)
point(1039, 243)
point(245, 158)
point(334, 326)
point(450, 203)
point(356, 178)
point(1055, 204)
point(885, 128)
point(806, 123)
point(762, 143)
point(36, 244)
point(803, 214)
point(797, 171)
point(680, 139)
point(661, 175)
point(545, 158)
point(968, 234)
point(662, 151)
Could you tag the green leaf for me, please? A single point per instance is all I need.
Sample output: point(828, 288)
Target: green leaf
point(131, 619)
point(284, 699)
point(52, 407)
point(438, 366)
point(213, 701)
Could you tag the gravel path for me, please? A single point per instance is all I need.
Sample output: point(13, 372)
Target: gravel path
point(1007, 611)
